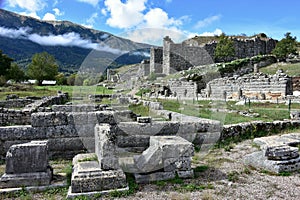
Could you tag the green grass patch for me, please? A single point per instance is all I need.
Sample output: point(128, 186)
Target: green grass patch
point(133, 187)
point(201, 168)
point(289, 69)
point(139, 109)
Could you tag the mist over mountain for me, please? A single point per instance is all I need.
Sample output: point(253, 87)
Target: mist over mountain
point(73, 46)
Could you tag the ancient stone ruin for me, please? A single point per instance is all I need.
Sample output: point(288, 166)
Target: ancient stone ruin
point(27, 165)
point(254, 86)
point(278, 153)
point(174, 57)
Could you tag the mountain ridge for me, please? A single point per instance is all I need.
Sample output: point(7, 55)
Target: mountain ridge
point(26, 36)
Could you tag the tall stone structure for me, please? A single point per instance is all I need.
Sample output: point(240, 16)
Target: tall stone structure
point(174, 57)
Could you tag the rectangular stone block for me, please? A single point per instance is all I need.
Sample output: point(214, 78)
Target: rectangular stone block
point(157, 176)
point(89, 177)
point(27, 158)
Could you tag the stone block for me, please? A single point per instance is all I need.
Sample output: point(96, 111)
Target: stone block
point(27, 158)
point(157, 176)
point(26, 179)
point(173, 146)
point(88, 176)
point(282, 152)
point(144, 119)
point(186, 174)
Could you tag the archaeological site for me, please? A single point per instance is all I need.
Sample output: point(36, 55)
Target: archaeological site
point(179, 125)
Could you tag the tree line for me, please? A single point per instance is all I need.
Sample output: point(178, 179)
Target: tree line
point(43, 66)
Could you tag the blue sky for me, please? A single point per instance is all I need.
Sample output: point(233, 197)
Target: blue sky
point(150, 20)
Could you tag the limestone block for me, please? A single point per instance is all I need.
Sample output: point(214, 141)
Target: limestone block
point(157, 176)
point(173, 146)
point(105, 147)
point(282, 152)
point(259, 160)
point(144, 119)
point(87, 176)
point(186, 174)
point(27, 158)
point(26, 179)
point(48, 119)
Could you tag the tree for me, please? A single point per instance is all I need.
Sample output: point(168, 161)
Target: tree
point(15, 73)
point(5, 63)
point(285, 47)
point(42, 67)
point(61, 79)
point(224, 49)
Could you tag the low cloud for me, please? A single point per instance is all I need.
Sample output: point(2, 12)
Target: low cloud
point(68, 39)
point(217, 32)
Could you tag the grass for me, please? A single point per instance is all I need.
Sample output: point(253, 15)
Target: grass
point(39, 91)
point(290, 69)
point(267, 111)
point(139, 109)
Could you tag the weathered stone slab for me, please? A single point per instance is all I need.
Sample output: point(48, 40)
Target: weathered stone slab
point(26, 179)
point(157, 176)
point(88, 177)
point(27, 158)
point(283, 152)
point(260, 161)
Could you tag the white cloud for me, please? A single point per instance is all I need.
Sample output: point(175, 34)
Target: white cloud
point(104, 12)
point(29, 5)
point(57, 12)
point(125, 15)
point(92, 19)
point(215, 32)
point(68, 39)
point(92, 2)
point(49, 17)
point(14, 33)
point(207, 21)
point(157, 18)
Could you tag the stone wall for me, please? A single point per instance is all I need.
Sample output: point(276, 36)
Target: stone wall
point(15, 103)
point(183, 89)
point(255, 86)
point(174, 57)
point(23, 116)
point(144, 68)
point(257, 127)
point(156, 60)
point(68, 133)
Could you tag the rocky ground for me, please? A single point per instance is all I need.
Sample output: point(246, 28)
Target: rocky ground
point(222, 175)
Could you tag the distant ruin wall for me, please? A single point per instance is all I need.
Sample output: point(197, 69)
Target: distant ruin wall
point(156, 60)
point(183, 89)
point(174, 57)
point(255, 86)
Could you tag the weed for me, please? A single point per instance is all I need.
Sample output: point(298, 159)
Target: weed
point(284, 173)
point(68, 170)
point(201, 168)
point(233, 176)
point(92, 158)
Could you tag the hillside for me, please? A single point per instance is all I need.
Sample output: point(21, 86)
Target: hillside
point(22, 36)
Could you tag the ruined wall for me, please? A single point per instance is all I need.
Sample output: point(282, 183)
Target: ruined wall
point(176, 57)
point(183, 89)
point(257, 127)
point(156, 60)
point(255, 86)
point(68, 133)
point(15, 103)
point(144, 68)
point(23, 116)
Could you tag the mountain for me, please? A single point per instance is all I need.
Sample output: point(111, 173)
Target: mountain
point(73, 46)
